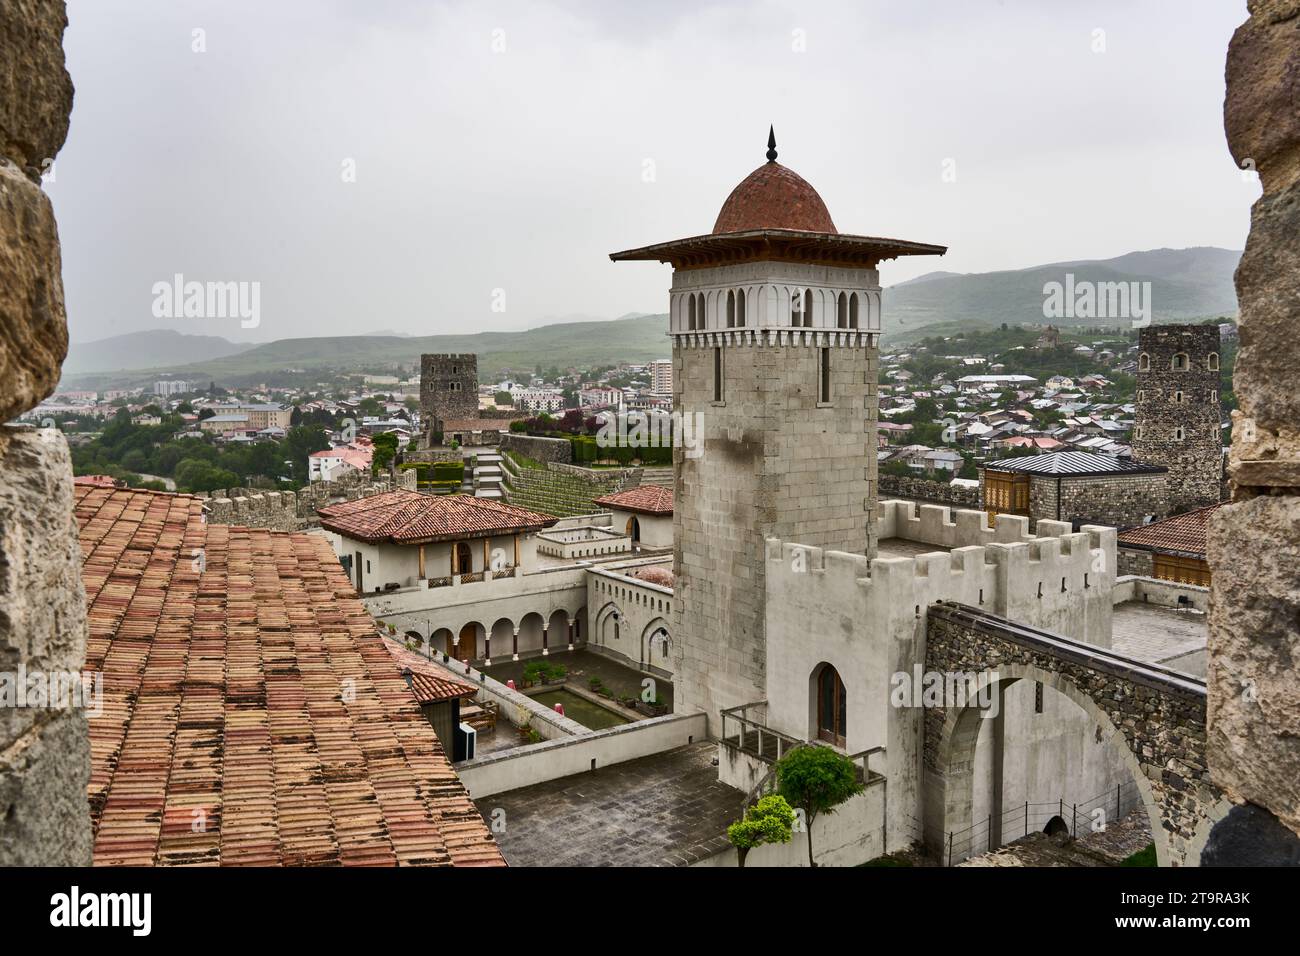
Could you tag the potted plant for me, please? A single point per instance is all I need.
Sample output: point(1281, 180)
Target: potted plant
point(554, 673)
point(533, 673)
point(656, 706)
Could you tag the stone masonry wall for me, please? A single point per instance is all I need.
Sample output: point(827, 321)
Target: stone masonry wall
point(290, 511)
point(1181, 401)
point(1117, 501)
point(924, 489)
point(44, 750)
point(1162, 723)
point(1254, 542)
point(775, 463)
point(448, 390)
point(538, 448)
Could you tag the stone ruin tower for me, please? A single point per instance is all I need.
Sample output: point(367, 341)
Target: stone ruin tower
point(775, 328)
point(448, 391)
point(1178, 413)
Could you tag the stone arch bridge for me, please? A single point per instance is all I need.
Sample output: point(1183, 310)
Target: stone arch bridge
point(1154, 716)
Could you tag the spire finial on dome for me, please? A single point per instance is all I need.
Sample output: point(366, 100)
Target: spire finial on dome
point(771, 144)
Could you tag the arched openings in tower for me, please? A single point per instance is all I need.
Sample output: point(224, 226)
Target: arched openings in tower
point(731, 308)
point(690, 313)
point(853, 310)
point(842, 311)
point(801, 309)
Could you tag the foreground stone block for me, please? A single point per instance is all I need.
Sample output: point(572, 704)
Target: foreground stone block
point(1263, 77)
point(33, 324)
point(44, 752)
point(1253, 741)
point(35, 88)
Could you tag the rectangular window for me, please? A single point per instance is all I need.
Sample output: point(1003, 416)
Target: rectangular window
point(717, 374)
point(825, 376)
point(1038, 697)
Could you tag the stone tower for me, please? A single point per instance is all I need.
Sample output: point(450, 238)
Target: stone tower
point(1178, 414)
point(448, 391)
point(775, 327)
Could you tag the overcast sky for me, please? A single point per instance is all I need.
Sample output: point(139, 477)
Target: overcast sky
point(512, 146)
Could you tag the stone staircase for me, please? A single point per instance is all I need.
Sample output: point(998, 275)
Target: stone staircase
point(488, 477)
point(555, 492)
point(658, 476)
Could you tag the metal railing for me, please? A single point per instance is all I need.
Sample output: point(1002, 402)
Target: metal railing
point(1033, 816)
point(749, 733)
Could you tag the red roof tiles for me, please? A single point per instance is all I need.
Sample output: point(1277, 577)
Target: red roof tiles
point(252, 714)
point(774, 197)
point(1181, 534)
point(408, 517)
point(646, 499)
point(429, 682)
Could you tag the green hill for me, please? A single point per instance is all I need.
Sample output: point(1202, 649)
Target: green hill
point(1186, 285)
point(637, 339)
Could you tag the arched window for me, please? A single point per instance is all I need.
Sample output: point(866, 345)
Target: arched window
point(701, 312)
point(807, 308)
point(464, 558)
point(853, 310)
point(1179, 434)
point(1212, 362)
point(740, 308)
point(842, 312)
point(1144, 362)
point(832, 707)
point(690, 321)
point(1178, 398)
point(731, 309)
point(1180, 362)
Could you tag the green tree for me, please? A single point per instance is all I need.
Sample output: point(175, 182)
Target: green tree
point(298, 445)
point(385, 444)
point(817, 780)
point(504, 400)
point(770, 820)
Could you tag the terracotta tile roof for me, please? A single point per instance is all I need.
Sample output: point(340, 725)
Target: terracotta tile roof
point(774, 197)
point(647, 499)
point(1181, 534)
point(429, 682)
point(252, 714)
point(408, 517)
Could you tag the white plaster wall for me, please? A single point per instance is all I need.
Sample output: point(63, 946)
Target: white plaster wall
point(852, 835)
point(536, 763)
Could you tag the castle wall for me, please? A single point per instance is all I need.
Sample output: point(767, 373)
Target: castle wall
point(867, 618)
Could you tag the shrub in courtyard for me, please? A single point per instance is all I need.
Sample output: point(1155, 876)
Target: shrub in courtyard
point(771, 820)
point(816, 780)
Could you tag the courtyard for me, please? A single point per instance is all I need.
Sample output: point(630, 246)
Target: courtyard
point(668, 809)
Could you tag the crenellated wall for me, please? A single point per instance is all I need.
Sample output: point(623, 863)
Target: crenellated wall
point(867, 618)
point(293, 511)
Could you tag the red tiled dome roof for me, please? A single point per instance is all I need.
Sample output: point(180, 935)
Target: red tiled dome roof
point(774, 197)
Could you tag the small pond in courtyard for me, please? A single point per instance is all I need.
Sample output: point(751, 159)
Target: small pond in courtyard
point(592, 716)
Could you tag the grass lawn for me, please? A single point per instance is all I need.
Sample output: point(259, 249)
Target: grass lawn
point(1145, 857)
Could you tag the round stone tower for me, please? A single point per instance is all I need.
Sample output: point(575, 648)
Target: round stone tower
point(774, 319)
point(1178, 423)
